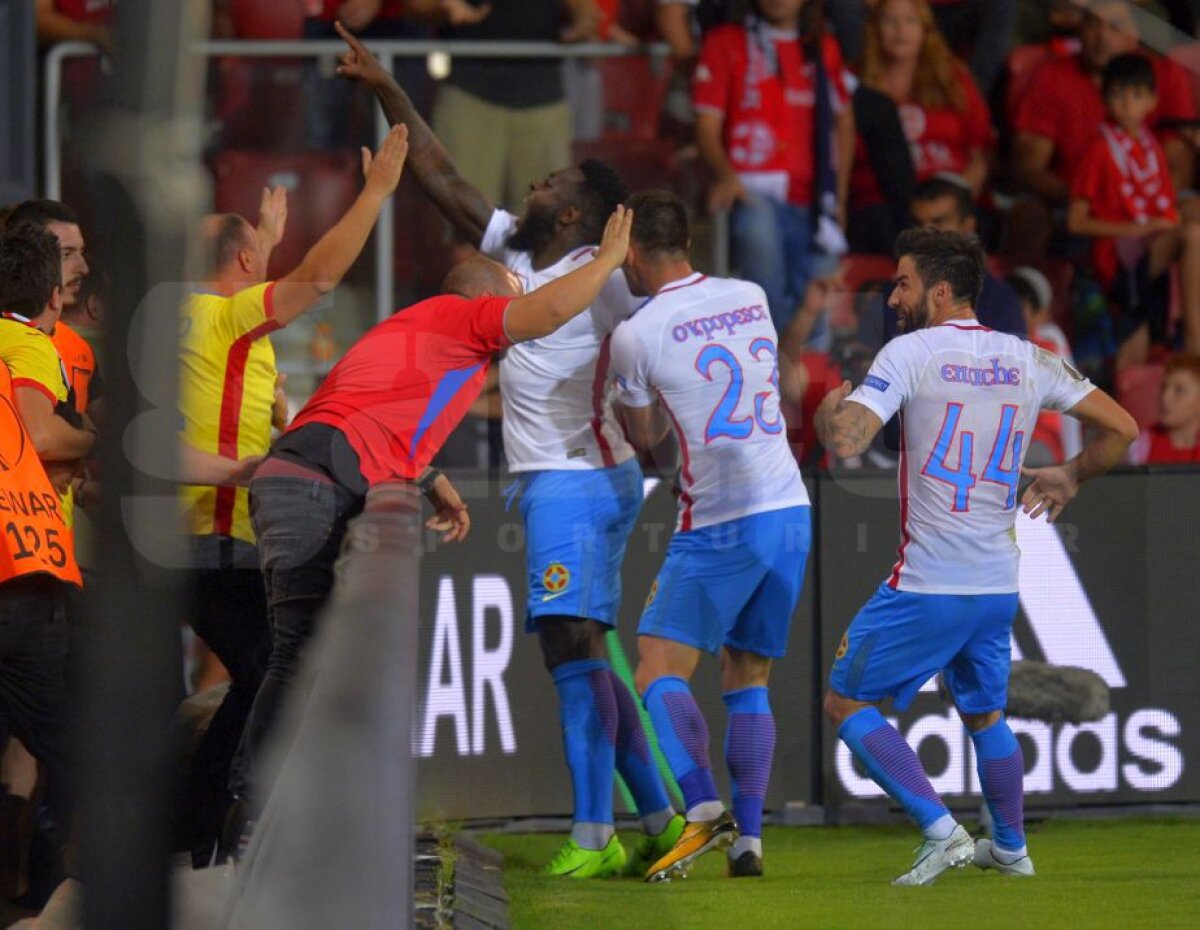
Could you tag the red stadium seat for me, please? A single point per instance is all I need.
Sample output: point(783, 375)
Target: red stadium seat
point(248, 88)
point(858, 277)
point(321, 186)
point(633, 97)
point(279, 19)
point(641, 163)
point(823, 376)
point(1137, 391)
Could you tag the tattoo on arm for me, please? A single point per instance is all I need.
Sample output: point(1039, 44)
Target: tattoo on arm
point(847, 429)
point(464, 205)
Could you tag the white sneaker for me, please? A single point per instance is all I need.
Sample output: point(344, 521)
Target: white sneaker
point(936, 856)
point(985, 858)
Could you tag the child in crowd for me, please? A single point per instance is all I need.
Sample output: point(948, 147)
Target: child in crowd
point(1123, 197)
point(1176, 435)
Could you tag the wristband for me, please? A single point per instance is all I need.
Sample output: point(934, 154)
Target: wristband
point(426, 481)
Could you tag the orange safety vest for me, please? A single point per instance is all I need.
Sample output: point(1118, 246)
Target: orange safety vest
point(79, 362)
point(33, 536)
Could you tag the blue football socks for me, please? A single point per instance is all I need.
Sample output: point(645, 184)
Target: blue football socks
point(1001, 769)
point(749, 750)
point(683, 736)
point(588, 713)
point(894, 766)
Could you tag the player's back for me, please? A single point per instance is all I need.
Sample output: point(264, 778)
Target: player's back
point(969, 400)
point(707, 348)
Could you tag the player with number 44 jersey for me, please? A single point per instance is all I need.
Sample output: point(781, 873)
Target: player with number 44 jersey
point(968, 400)
point(699, 356)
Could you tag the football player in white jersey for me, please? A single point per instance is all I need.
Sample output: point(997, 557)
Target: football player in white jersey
point(968, 400)
point(699, 356)
point(581, 485)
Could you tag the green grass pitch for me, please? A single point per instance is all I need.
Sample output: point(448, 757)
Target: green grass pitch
point(1127, 874)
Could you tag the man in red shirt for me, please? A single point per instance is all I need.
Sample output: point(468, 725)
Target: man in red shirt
point(757, 114)
point(1063, 109)
point(379, 417)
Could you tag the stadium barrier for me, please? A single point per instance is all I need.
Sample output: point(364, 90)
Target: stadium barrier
point(1118, 603)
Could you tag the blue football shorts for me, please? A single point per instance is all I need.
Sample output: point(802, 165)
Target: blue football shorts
point(901, 639)
point(576, 526)
point(733, 584)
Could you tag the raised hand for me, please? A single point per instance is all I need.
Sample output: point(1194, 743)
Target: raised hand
point(272, 215)
point(615, 243)
point(383, 169)
point(358, 64)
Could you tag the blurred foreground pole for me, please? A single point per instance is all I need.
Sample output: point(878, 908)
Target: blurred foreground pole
point(18, 48)
point(142, 165)
point(334, 844)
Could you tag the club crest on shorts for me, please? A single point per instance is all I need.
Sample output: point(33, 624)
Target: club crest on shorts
point(652, 595)
point(556, 577)
point(842, 646)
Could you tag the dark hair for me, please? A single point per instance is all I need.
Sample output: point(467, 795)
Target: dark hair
point(939, 186)
point(1128, 71)
point(232, 235)
point(1025, 291)
point(600, 193)
point(42, 213)
point(660, 222)
point(945, 256)
point(30, 269)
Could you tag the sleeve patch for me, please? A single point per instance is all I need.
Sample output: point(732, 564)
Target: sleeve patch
point(874, 381)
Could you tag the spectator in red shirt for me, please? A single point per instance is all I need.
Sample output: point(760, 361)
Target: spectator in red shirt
point(944, 117)
point(759, 116)
point(380, 417)
point(1122, 196)
point(1060, 113)
point(1175, 438)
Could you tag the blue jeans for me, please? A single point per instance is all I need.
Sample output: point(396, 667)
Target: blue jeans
point(771, 245)
point(300, 524)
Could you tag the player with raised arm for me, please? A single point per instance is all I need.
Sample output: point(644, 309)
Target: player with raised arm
point(968, 399)
point(581, 486)
point(700, 356)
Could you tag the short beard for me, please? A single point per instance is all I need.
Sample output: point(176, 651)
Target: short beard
point(533, 232)
point(919, 318)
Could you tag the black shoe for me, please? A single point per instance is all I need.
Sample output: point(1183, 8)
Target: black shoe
point(747, 865)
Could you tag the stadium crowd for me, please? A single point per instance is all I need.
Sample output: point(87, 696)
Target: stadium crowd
point(814, 133)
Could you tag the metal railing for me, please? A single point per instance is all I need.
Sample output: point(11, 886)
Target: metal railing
point(386, 52)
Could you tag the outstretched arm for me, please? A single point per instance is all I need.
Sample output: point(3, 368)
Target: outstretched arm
point(845, 428)
point(333, 254)
point(464, 205)
point(541, 312)
point(1112, 430)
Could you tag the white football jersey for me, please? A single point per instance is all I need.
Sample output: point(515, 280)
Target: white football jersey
point(968, 400)
point(555, 391)
point(706, 349)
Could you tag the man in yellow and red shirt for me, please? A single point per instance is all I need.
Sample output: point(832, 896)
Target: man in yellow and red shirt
point(227, 390)
point(37, 559)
